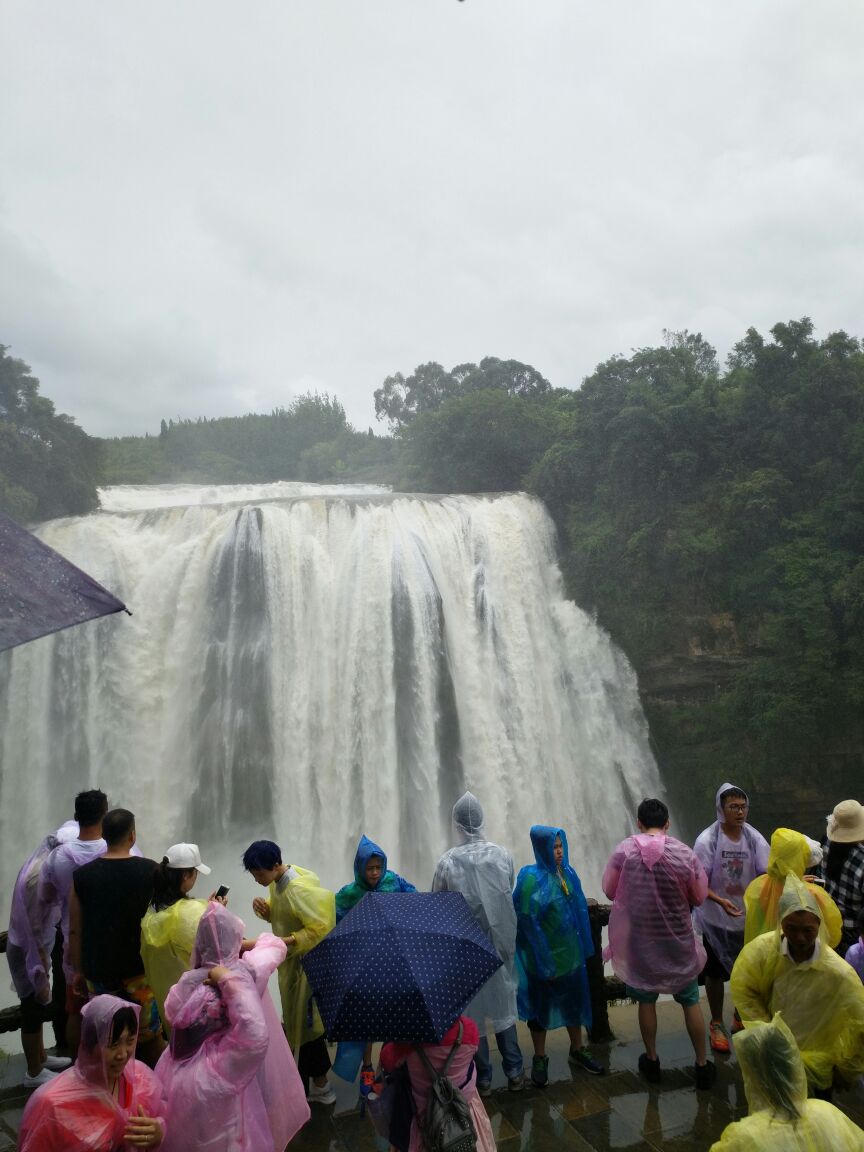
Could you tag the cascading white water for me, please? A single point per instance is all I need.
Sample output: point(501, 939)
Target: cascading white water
point(309, 664)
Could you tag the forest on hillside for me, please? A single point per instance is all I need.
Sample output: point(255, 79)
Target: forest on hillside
point(700, 506)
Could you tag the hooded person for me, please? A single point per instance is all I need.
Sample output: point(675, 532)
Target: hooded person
point(553, 941)
point(791, 855)
point(370, 875)
point(105, 1098)
point(229, 1081)
point(794, 970)
point(32, 931)
point(733, 854)
point(485, 874)
point(781, 1118)
point(654, 882)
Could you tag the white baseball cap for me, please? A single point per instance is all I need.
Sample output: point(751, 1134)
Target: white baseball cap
point(186, 856)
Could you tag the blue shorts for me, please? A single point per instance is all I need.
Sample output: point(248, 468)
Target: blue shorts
point(686, 996)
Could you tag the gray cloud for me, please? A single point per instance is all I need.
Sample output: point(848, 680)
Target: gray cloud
point(205, 210)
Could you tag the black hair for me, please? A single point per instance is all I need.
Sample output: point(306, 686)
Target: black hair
point(262, 854)
point(731, 793)
point(117, 825)
point(652, 814)
point(836, 855)
point(90, 807)
point(124, 1018)
point(166, 885)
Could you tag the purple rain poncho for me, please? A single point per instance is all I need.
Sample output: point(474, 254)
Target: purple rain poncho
point(730, 865)
point(229, 1076)
point(654, 882)
point(76, 1111)
point(32, 928)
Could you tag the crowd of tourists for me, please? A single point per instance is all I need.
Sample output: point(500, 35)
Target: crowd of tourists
point(161, 999)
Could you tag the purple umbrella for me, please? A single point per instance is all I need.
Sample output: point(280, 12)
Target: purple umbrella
point(42, 592)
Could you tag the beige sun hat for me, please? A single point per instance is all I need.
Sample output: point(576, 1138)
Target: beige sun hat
point(846, 822)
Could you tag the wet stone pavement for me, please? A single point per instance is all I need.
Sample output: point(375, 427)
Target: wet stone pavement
point(574, 1113)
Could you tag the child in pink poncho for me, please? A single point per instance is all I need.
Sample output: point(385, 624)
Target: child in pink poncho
point(230, 1079)
point(654, 883)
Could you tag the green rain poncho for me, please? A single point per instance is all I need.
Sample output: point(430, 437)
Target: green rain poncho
point(781, 1118)
point(352, 894)
point(822, 999)
point(302, 908)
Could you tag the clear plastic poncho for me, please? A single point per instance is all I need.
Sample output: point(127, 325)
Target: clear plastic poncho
point(167, 941)
point(302, 908)
point(730, 866)
point(229, 1076)
point(822, 999)
point(76, 1111)
point(654, 882)
point(32, 928)
point(790, 856)
point(352, 894)
point(553, 937)
point(485, 874)
point(781, 1118)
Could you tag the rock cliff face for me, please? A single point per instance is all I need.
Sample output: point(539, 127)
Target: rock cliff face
point(680, 691)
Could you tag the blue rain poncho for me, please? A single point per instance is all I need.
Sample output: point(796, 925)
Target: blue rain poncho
point(485, 874)
point(553, 937)
point(352, 894)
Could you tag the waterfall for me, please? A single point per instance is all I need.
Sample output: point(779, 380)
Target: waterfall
point(306, 664)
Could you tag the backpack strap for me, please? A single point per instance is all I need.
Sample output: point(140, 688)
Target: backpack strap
point(433, 1072)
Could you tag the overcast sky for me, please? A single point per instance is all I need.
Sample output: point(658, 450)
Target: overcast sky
point(207, 207)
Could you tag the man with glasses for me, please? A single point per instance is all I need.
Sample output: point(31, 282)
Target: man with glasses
point(732, 854)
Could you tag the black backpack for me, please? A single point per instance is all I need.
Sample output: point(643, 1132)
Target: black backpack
point(447, 1125)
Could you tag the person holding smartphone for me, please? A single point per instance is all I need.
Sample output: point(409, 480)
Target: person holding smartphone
point(170, 923)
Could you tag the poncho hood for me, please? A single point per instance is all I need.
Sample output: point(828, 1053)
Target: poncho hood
point(97, 1016)
point(543, 840)
point(651, 848)
point(727, 787)
point(366, 849)
point(790, 852)
point(468, 819)
point(774, 1077)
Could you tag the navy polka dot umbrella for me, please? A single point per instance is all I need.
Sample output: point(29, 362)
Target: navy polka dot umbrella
point(400, 966)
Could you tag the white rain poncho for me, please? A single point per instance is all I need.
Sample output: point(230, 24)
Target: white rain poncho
point(730, 866)
point(822, 999)
point(485, 874)
point(781, 1118)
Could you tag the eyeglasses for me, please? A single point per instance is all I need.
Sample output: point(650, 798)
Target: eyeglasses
point(735, 807)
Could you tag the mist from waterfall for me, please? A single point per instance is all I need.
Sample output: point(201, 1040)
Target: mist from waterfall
point(311, 663)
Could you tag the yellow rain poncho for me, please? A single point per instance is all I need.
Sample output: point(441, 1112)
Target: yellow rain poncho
point(301, 908)
point(790, 852)
point(822, 999)
point(167, 940)
point(781, 1118)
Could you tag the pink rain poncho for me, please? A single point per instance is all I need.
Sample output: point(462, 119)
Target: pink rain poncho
point(32, 927)
point(76, 1111)
point(654, 883)
point(229, 1077)
point(730, 866)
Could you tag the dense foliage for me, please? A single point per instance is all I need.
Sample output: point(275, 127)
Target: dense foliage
point(309, 440)
point(48, 465)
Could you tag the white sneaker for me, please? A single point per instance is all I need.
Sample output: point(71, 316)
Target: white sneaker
point(43, 1077)
point(322, 1095)
point(57, 1063)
